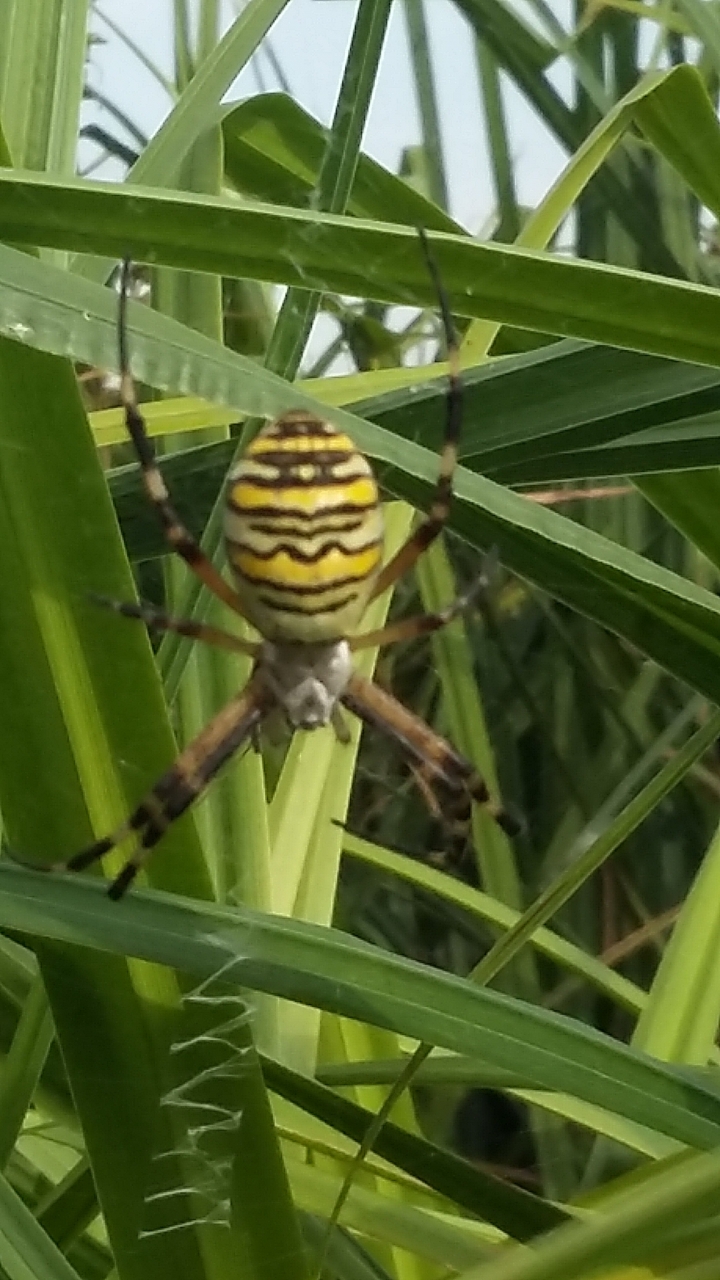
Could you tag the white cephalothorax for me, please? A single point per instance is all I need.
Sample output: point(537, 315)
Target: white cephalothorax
point(306, 679)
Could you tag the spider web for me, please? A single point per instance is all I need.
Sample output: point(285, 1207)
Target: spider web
point(209, 1061)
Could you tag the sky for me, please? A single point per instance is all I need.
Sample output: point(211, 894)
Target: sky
point(310, 40)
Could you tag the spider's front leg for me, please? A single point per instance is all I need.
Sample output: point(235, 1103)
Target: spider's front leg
point(178, 536)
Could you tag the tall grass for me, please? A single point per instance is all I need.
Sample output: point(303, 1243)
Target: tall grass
point(187, 1075)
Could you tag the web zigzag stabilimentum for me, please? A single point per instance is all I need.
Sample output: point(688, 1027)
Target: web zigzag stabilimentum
point(189, 1185)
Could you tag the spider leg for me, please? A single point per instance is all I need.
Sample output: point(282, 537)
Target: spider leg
point(439, 762)
point(338, 722)
point(176, 790)
point(454, 815)
point(179, 537)
point(455, 819)
point(157, 620)
point(423, 624)
point(429, 529)
point(424, 786)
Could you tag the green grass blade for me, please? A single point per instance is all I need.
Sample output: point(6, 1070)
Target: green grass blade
point(630, 1232)
point(41, 86)
point(25, 1249)
point(426, 96)
point(587, 862)
point(679, 1021)
point(324, 251)
point(467, 728)
point(500, 916)
point(689, 499)
point(330, 970)
point(498, 144)
point(274, 152)
point(651, 103)
point(330, 191)
point(514, 1211)
point(23, 1065)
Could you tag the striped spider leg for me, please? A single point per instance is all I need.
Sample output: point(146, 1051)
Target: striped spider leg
point(176, 790)
point(432, 526)
point(179, 538)
point(304, 539)
point(435, 762)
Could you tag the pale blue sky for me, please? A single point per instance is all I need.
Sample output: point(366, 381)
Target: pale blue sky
point(310, 40)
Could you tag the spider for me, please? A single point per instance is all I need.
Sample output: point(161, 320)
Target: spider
point(304, 538)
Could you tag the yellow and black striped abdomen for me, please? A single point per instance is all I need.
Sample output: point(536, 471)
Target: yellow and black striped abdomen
point(303, 528)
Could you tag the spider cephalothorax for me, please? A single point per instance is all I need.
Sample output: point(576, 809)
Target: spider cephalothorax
point(307, 680)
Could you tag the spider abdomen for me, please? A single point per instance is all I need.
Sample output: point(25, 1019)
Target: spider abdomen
point(303, 529)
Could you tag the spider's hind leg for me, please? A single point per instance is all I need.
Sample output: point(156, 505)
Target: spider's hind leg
point(449, 802)
point(440, 770)
point(178, 787)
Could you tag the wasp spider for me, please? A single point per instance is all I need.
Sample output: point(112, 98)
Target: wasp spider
point(304, 538)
